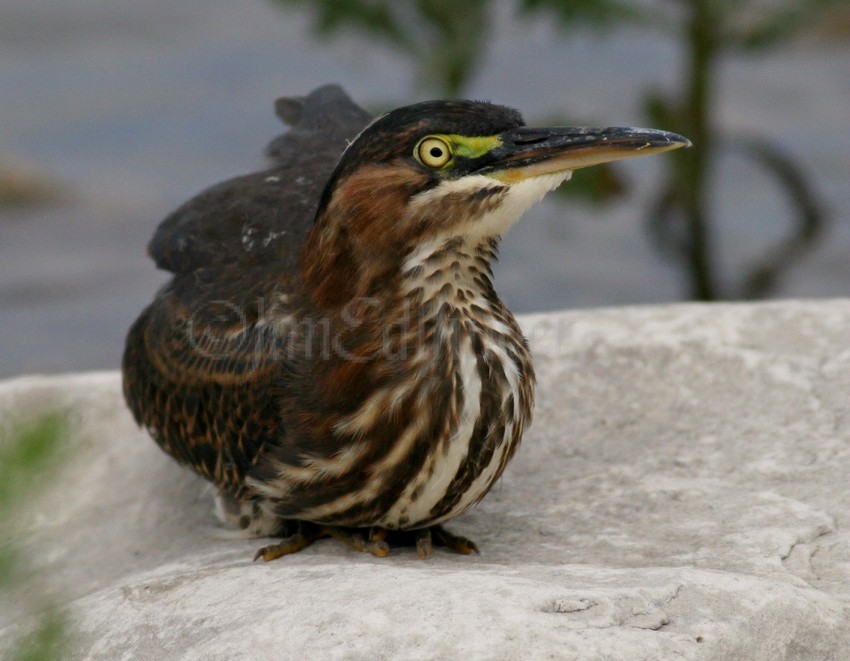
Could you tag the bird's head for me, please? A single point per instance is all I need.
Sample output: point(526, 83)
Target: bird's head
point(443, 169)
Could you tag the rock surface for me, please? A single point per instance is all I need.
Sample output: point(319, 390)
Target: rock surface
point(684, 492)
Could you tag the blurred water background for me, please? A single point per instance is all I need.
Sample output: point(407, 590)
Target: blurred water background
point(114, 112)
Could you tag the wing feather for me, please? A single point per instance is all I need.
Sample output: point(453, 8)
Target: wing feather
point(201, 363)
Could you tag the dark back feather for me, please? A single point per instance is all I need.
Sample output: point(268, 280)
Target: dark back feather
point(265, 216)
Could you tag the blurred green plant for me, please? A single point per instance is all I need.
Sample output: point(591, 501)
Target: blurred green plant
point(680, 219)
point(447, 40)
point(29, 455)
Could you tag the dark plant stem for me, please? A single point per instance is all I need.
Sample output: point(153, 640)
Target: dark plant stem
point(703, 44)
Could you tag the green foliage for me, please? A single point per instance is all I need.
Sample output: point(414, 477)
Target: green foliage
point(374, 17)
point(46, 642)
point(445, 38)
point(595, 185)
point(757, 26)
point(24, 457)
point(28, 456)
point(595, 13)
point(455, 44)
point(30, 451)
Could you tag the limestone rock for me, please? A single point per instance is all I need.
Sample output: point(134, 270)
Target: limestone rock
point(683, 492)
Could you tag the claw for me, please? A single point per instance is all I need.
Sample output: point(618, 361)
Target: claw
point(377, 534)
point(443, 537)
point(376, 547)
point(423, 543)
point(303, 537)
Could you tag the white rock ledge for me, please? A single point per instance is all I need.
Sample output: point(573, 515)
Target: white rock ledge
point(684, 491)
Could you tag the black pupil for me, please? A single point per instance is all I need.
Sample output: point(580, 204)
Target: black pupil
point(436, 152)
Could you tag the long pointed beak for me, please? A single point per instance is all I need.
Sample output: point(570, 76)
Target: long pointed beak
point(531, 152)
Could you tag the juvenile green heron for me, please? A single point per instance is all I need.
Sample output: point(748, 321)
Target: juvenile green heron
point(331, 352)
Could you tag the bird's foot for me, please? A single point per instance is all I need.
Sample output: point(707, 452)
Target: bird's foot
point(374, 540)
point(426, 538)
point(355, 538)
point(307, 533)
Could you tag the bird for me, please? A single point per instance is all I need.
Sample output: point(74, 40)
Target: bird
point(330, 352)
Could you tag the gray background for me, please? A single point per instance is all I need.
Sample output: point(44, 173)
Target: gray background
point(133, 107)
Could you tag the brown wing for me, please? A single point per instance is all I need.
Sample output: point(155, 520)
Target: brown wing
point(201, 361)
point(199, 368)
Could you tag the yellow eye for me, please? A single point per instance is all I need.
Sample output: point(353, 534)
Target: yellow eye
point(434, 152)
